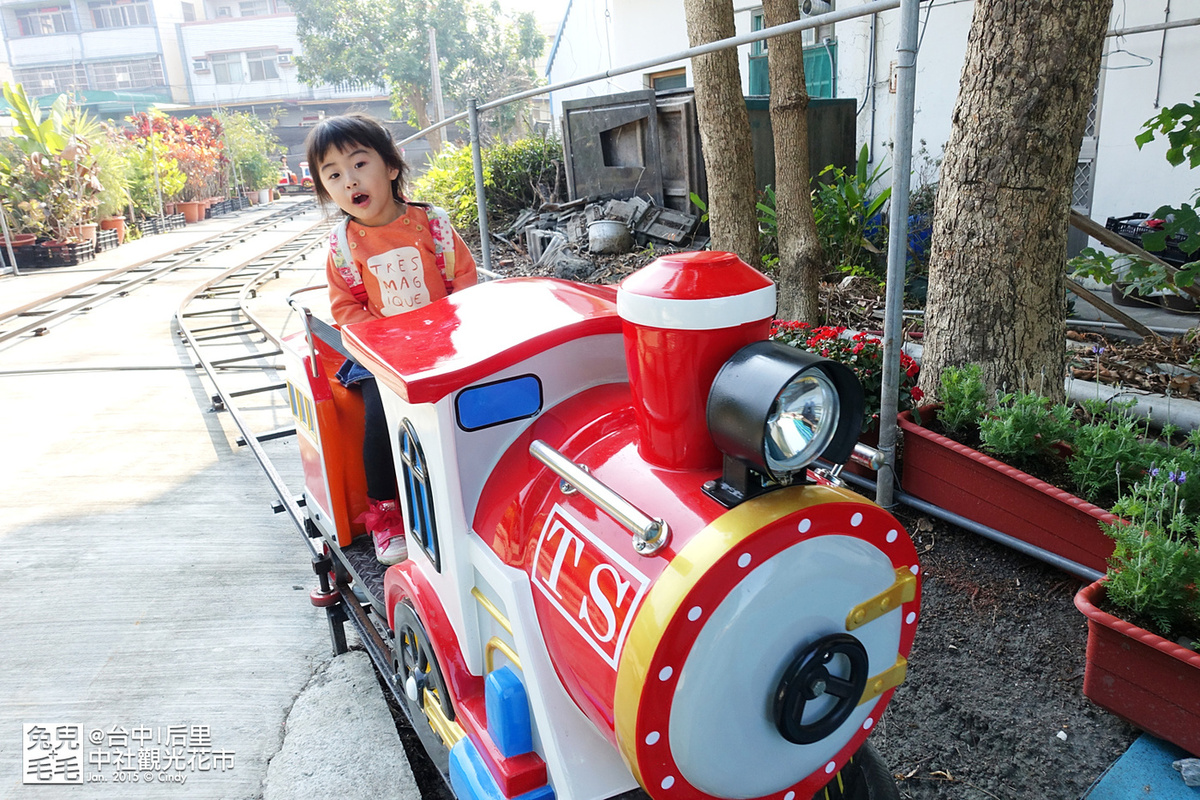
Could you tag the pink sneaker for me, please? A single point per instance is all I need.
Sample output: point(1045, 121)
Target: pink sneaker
point(386, 524)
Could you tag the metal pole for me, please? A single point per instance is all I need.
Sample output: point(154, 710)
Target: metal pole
point(435, 73)
point(906, 92)
point(485, 246)
point(12, 257)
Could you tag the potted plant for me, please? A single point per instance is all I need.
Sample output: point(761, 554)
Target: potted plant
point(944, 463)
point(1143, 652)
point(253, 153)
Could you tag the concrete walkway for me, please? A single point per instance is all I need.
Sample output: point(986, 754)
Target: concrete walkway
point(157, 628)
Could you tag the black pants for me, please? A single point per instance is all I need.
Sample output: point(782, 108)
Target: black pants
point(377, 450)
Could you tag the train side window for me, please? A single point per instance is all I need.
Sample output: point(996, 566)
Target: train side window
point(421, 524)
point(495, 403)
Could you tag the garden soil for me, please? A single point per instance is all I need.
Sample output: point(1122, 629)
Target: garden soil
point(992, 708)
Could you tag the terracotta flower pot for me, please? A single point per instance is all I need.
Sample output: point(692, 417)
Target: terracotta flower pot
point(252, 197)
point(963, 480)
point(1140, 676)
point(117, 224)
point(85, 232)
point(191, 210)
point(18, 240)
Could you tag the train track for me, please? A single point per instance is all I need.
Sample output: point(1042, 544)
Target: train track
point(37, 316)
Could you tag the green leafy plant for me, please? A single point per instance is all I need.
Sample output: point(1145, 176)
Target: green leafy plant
point(1180, 124)
point(846, 205)
point(1154, 572)
point(516, 175)
point(963, 396)
point(861, 352)
point(449, 182)
point(1024, 426)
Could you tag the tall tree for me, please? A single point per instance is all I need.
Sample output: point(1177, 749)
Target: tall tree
point(724, 131)
point(1000, 233)
point(801, 260)
point(386, 42)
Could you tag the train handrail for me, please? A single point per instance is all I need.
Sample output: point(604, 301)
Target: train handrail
point(649, 535)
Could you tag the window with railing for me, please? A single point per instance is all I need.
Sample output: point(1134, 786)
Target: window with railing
point(227, 67)
point(40, 81)
point(44, 20)
point(137, 73)
point(253, 8)
point(118, 13)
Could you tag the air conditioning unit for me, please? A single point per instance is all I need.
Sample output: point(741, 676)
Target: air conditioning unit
point(199, 65)
point(224, 11)
point(284, 59)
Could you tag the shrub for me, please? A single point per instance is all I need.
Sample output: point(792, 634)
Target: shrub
point(516, 176)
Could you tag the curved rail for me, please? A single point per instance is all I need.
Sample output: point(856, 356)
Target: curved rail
point(121, 280)
point(251, 275)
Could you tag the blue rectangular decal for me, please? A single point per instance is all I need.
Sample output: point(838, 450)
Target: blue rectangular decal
point(496, 403)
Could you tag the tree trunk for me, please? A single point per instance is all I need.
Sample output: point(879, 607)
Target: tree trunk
point(724, 132)
point(801, 260)
point(1000, 232)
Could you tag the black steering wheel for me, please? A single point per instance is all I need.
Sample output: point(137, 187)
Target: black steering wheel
point(808, 678)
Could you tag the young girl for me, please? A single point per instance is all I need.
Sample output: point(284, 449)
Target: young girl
point(387, 257)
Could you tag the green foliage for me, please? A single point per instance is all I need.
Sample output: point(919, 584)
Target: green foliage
point(449, 182)
point(481, 52)
point(1181, 125)
point(252, 149)
point(515, 176)
point(1024, 426)
point(145, 178)
point(1154, 571)
point(1100, 448)
point(963, 396)
point(845, 208)
point(1142, 276)
point(48, 167)
point(700, 204)
point(524, 173)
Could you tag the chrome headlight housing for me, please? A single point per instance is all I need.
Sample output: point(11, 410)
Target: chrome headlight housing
point(775, 409)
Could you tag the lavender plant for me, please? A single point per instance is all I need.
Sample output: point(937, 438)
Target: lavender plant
point(1154, 571)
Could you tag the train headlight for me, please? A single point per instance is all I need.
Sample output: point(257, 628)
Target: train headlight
point(801, 422)
point(773, 410)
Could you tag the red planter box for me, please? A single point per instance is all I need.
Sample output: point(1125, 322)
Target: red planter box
point(990, 492)
point(1139, 676)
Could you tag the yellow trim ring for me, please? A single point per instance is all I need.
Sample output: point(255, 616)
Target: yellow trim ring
point(679, 578)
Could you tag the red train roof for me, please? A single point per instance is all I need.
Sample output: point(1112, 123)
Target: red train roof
point(425, 354)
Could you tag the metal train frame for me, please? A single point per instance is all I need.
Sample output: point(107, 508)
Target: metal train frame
point(626, 575)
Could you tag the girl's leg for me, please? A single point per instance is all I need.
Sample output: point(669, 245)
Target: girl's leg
point(377, 449)
point(383, 515)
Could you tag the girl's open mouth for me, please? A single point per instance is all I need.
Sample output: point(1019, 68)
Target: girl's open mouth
point(360, 199)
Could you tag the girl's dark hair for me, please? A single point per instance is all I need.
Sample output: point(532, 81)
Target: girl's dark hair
point(348, 130)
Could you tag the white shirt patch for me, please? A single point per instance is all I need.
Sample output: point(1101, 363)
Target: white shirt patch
point(401, 280)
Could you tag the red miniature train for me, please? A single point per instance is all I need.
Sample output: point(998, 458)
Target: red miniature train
point(624, 568)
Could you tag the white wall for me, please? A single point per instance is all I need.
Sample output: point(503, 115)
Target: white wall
point(1126, 179)
point(1129, 180)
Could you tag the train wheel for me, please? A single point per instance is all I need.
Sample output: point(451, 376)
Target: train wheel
point(419, 676)
point(866, 777)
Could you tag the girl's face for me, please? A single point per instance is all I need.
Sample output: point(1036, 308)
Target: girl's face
point(360, 183)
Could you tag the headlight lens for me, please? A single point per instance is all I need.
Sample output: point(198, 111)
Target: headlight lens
point(801, 423)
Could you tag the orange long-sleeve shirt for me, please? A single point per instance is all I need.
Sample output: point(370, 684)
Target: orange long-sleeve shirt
point(398, 268)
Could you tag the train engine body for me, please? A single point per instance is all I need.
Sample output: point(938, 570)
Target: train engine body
point(620, 571)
